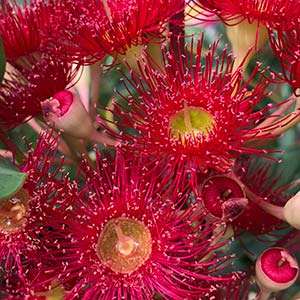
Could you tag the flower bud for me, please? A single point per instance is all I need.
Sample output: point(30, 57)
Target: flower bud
point(66, 112)
point(276, 270)
point(291, 211)
point(135, 55)
point(244, 36)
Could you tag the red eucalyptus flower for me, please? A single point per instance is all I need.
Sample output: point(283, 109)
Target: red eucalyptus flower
point(23, 91)
point(275, 270)
point(286, 46)
point(134, 235)
point(247, 21)
point(237, 198)
point(114, 27)
point(22, 215)
point(13, 289)
point(266, 12)
point(21, 27)
point(33, 74)
point(196, 111)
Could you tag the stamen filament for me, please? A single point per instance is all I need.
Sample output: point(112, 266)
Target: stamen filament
point(187, 118)
point(107, 10)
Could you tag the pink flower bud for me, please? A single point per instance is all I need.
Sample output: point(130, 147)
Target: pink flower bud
point(276, 270)
point(66, 112)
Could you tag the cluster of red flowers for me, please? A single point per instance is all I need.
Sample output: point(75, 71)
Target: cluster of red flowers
point(168, 182)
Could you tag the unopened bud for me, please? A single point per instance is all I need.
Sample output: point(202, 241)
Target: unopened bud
point(66, 112)
point(291, 211)
point(244, 36)
point(135, 56)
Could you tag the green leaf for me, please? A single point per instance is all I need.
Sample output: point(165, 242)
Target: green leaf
point(2, 60)
point(10, 181)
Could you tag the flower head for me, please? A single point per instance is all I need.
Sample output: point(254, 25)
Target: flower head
point(23, 91)
point(21, 29)
point(196, 111)
point(114, 27)
point(247, 21)
point(33, 74)
point(286, 46)
point(266, 12)
point(21, 217)
point(237, 197)
point(131, 234)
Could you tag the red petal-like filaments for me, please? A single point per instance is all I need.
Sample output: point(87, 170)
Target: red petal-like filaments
point(112, 27)
point(122, 206)
point(23, 214)
point(266, 12)
point(197, 111)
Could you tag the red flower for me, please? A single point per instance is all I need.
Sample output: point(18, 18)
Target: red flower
point(236, 197)
point(22, 215)
point(134, 235)
point(286, 46)
point(112, 27)
point(21, 27)
point(198, 112)
point(11, 288)
point(23, 91)
point(266, 12)
point(33, 74)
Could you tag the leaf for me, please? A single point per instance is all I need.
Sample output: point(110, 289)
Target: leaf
point(10, 181)
point(2, 60)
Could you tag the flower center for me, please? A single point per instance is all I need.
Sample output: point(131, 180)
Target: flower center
point(124, 245)
point(223, 197)
point(191, 121)
point(12, 212)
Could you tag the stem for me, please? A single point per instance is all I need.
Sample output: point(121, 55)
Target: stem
point(276, 114)
point(274, 210)
point(278, 126)
point(17, 154)
point(77, 148)
point(109, 117)
point(223, 234)
point(288, 121)
point(100, 138)
point(6, 154)
point(263, 295)
point(296, 296)
point(95, 88)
